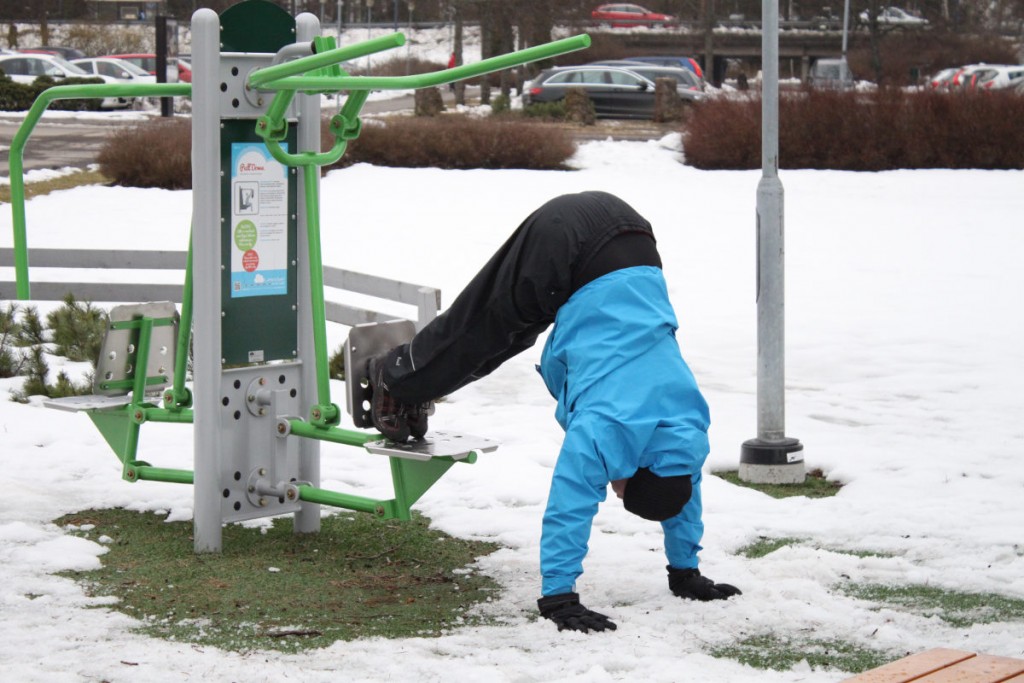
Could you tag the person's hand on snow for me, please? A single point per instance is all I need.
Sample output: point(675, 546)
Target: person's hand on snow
point(566, 611)
point(689, 584)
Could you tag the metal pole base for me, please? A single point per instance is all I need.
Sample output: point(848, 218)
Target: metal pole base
point(772, 462)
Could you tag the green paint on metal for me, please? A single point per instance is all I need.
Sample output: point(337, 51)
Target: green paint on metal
point(16, 154)
point(118, 430)
point(260, 77)
point(145, 472)
point(311, 494)
point(412, 478)
point(346, 437)
point(256, 26)
point(312, 83)
point(180, 397)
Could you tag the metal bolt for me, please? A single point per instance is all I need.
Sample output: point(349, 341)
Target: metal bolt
point(252, 489)
point(281, 428)
point(291, 494)
point(263, 502)
point(262, 380)
point(250, 398)
point(263, 411)
point(263, 471)
point(316, 414)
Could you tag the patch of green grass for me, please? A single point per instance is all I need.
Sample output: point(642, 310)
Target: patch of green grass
point(815, 485)
point(955, 608)
point(766, 546)
point(64, 182)
point(272, 589)
point(782, 654)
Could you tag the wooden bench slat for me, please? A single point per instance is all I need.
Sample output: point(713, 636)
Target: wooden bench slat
point(980, 669)
point(912, 668)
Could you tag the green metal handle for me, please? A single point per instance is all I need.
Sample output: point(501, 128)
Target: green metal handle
point(260, 77)
point(458, 73)
point(17, 152)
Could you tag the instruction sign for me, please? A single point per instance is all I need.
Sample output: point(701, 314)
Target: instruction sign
point(259, 222)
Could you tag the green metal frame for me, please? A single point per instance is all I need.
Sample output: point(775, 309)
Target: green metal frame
point(314, 74)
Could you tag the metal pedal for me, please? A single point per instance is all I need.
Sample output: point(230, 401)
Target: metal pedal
point(363, 343)
point(434, 445)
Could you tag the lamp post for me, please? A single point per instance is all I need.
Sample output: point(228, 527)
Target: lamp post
point(772, 457)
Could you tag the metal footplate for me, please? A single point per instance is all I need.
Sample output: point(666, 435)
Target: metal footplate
point(434, 445)
point(364, 342)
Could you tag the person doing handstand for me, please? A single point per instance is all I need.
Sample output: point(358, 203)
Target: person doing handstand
point(631, 410)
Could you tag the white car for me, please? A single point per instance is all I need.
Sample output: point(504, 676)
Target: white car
point(119, 69)
point(894, 16)
point(997, 77)
point(26, 68)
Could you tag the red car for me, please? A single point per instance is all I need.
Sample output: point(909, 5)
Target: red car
point(628, 16)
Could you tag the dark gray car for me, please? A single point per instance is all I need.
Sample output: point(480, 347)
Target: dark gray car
point(689, 86)
point(616, 92)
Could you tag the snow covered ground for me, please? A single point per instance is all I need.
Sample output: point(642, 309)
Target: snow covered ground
point(904, 373)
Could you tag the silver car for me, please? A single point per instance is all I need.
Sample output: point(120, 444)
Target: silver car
point(119, 69)
point(26, 68)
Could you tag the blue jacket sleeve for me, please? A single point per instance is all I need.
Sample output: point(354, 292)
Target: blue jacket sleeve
point(578, 486)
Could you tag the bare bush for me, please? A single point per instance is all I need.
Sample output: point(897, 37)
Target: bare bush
point(95, 39)
point(159, 154)
point(152, 154)
point(460, 142)
point(887, 129)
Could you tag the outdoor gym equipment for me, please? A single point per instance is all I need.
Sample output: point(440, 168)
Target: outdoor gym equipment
point(254, 283)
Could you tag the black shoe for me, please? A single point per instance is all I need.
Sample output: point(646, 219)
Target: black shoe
point(388, 415)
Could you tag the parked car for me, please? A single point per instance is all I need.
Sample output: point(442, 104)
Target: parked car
point(688, 86)
point(832, 74)
point(118, 69)
point(894, 16)
point(629, 16)
point(684, 62)
point(998, 77)
point(147, 61)
point(964, 78)
point(943, 79)
point(184, 65)
point(68, 53)
point(615, 92)
point(26, 68)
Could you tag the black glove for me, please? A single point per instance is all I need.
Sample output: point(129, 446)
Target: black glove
point(689, 584)
point(565, 610)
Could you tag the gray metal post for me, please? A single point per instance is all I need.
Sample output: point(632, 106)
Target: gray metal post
point(206, 277)
point(771, 457)
point(307, 519)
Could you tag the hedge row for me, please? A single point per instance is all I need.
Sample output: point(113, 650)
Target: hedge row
point(449, 141)
point(20, 96)
point(882, 130)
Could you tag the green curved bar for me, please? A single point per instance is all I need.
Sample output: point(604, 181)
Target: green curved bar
point(307, 158)
point(17, 152)
point(258, 78)
point(458, 73)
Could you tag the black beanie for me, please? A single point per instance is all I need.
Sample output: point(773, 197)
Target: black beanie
point(656, 498)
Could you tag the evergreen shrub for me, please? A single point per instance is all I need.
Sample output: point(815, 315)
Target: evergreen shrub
point(20, 96)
